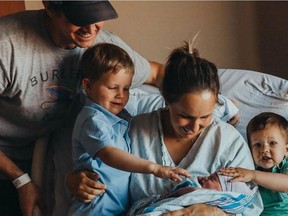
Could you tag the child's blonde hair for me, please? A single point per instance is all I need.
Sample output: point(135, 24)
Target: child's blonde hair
point(103, 58)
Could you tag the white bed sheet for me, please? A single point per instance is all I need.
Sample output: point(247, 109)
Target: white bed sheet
point(254, 92)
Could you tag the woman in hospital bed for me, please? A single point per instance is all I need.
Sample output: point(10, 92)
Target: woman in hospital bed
point(254, 92)
point(184, 134)
point(190, 90)
point(141, 100)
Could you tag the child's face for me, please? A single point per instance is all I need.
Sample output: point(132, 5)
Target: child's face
point(269, 146)
point(210, 182)
point(111, 91)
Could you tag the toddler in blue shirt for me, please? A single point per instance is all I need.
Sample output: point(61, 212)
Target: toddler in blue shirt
point(100, 135)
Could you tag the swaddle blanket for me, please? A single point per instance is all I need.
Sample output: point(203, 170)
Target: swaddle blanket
point(230, 202)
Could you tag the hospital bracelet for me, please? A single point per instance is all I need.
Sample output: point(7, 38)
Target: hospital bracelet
point(22, 180)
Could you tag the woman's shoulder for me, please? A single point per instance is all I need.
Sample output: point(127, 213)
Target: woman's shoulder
point(147, 117)
point(223, 126)
point(224, 130)
point(146, 123)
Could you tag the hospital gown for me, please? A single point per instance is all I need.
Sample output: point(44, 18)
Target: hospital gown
point(219, 145)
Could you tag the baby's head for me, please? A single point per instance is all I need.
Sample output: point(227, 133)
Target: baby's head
point(222, 183)
point(267, 135)
point(210, 182)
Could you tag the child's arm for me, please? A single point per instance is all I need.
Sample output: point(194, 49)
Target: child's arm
point(122, 160)
point(272, 181)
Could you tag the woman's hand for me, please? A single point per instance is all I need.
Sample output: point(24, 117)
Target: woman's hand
point(30, 196)
point(196, 210)
point(84, 185)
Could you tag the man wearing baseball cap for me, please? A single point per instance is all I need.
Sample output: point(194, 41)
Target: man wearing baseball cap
point(83, 13)
point(76, 23)
point(39, 82)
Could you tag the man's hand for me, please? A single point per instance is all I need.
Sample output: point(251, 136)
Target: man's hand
point(84, 185)
point(30, 196)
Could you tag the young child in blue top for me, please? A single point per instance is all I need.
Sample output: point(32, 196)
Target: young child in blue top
point(100, 136)
point(267, 135)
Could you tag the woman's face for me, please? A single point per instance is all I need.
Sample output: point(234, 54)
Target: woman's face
point(192, 113)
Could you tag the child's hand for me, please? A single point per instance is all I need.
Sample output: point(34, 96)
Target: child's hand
point(238, 174)
point(172, 173)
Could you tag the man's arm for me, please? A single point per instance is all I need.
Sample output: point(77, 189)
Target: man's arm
point(29, 193)
point(156, 74)
point(8, 167)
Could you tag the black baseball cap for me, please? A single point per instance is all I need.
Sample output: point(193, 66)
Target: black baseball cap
point(83, 13)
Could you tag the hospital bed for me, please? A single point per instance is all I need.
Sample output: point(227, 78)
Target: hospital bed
point(254, 92)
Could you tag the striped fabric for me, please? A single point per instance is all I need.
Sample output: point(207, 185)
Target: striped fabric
point(228, 201)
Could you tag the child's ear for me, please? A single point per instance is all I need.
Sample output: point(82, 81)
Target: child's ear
point(286, 148)
point(86, 84)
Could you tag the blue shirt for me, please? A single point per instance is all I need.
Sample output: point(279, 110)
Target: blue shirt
point(96, 128)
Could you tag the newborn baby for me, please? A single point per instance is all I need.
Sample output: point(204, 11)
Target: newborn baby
point(215, 181)
point(213, 190)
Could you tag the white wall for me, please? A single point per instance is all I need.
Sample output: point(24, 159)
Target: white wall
point(33, 5)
